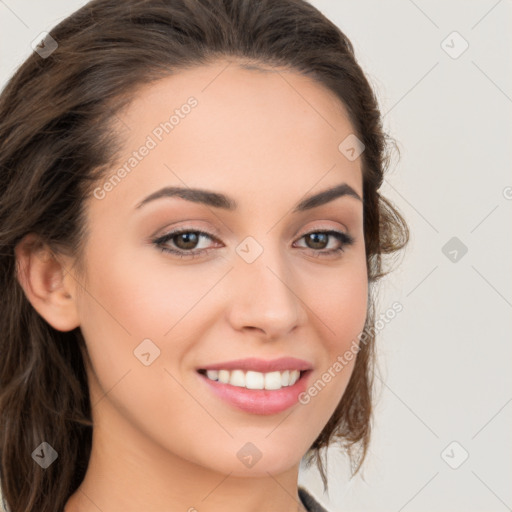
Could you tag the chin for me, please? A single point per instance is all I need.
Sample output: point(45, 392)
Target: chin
point(257, 459)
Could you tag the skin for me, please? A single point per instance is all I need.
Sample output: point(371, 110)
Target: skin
point(266, 139)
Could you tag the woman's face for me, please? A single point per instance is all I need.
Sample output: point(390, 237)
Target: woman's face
point(263, 282)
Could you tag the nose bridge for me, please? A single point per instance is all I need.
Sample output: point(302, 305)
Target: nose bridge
point(264, 296)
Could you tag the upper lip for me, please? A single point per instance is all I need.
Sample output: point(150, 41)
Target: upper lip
point(261, 365)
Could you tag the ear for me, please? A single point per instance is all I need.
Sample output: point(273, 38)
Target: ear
point(47, 282)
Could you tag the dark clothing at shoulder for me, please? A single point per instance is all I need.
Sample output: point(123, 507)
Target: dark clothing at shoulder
point(309, 502)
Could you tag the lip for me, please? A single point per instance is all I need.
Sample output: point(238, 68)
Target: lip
point(258, 401)
point(261, 365)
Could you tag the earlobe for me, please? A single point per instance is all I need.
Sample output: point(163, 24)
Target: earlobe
point(47, 283)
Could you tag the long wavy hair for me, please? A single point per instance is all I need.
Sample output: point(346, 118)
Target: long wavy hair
point(57, 142)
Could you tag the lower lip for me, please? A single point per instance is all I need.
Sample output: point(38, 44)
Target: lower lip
point(259, 401)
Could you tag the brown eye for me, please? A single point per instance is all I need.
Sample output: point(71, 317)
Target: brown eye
point(183, 242)
point(187, 240)
point(318, 240)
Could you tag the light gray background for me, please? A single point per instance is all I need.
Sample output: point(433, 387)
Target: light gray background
point(446, 357)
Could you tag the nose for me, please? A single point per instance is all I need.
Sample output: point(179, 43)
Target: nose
point(264, 298)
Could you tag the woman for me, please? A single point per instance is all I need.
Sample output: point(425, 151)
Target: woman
point(191, 230)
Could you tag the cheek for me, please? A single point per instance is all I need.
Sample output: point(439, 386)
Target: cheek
point(341, 309)
point(130, 300)
point(344, 310)
point(340, 303)
point(138, 298)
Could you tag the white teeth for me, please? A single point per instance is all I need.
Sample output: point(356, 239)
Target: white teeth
point(273, 380)
point(237, 378)
point(294, 377)
point(255, 380)
point(212, 374)
point(224, 376)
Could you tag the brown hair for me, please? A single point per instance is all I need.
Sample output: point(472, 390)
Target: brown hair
point(57, 141)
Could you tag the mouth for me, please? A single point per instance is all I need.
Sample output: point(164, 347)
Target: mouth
point(249, 379)
point(255, 392)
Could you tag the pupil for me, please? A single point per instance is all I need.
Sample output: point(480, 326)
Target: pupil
point(189, 238)
point(315, 237)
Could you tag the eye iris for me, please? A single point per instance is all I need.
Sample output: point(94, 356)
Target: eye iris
point(190, 239)
point(315, 236)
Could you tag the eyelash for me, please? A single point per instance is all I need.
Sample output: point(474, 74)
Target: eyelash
point(344, 238)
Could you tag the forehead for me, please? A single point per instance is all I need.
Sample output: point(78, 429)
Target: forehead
point(243, 131)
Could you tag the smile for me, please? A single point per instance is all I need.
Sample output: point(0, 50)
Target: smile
point(257, 386)
point(254, 380)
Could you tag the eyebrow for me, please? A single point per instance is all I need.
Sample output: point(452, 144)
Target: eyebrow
point(218, 200)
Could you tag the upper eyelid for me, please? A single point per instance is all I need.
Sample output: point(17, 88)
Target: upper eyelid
point(215, 233)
